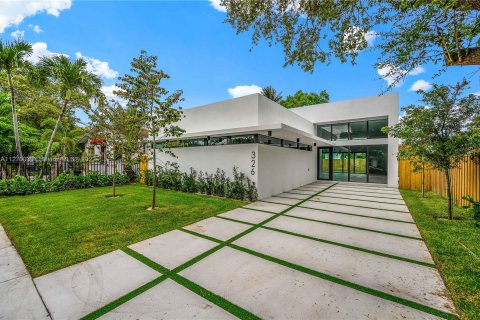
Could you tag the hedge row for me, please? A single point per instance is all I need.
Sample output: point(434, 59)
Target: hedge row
point(65, 181)
point(170, 177)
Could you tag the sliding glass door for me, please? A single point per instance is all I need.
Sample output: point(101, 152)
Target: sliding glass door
point(353, 163)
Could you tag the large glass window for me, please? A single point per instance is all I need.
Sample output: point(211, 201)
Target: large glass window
point(377, 163)
point(325, 132)
point(358, 130)
point(340, 131)
point(217, 141)
point(242, 139)
point(270, 141)
point(358, 163)
point(340, 163)
point(375, 128)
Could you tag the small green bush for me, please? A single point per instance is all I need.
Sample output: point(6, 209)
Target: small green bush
point(218, 184)
point(474, 208)
point(65, 181)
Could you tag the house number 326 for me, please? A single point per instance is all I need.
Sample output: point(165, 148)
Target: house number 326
point(253, 162)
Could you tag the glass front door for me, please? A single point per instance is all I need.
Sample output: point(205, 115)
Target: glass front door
point(324, 163)
point(353, 163)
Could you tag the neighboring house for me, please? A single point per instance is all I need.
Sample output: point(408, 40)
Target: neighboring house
point(281, 148)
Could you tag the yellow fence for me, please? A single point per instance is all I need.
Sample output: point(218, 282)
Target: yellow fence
point(465, 179)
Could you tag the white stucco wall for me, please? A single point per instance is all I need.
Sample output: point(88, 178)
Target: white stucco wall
point(209, 158)
point(356, 109)
point(282, 169)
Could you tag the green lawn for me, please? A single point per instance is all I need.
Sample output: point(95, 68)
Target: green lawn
point(455, 247)
point(55, 230)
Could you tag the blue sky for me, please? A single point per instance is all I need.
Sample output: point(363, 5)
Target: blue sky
point(203, 55)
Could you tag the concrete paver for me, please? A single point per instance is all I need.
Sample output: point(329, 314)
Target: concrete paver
point(11, 265)
point(338, 195)
point(168, 300)
point(365, 193)
point(75, 291)
point(368, 190)
point(173, 248)
point(361, 203)
point(303, 191)
point(19, 300)
point(272, 291)
point(369, 212)
point(281, 200)
point(403, 279)
point(405, 229)
point(293, 195)
point(246, 215)
point(266, 206)
point(218, 228)
point(4, 241)
point(397, 246)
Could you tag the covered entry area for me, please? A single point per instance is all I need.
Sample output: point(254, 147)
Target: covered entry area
point(357, 163)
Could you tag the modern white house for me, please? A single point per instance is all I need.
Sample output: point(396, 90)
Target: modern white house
point(281, 149)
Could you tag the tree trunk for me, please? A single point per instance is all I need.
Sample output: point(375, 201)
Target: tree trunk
point(114, 173)
point(423, 179)
point(466, 57)
point(154, 173)
point(16, 133)
point(449, 194)
point(52, 137)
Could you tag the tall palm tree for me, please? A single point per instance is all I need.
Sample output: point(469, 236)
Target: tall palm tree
point(71, 78)
point(12, 56)
point(272, 94)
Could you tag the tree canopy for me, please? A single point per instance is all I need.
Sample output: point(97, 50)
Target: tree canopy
point(408, 33)
point(300, 99)
point(440, 130)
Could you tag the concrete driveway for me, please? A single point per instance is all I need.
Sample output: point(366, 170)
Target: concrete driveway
point(322, 251)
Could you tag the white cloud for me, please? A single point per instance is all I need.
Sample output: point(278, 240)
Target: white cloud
point(390, 73)
point(40, 49)
point(15, 11)
point(370, 37)
point(100, 68)
point(418, 70)
point(18, 34)
point(420, 85)
point(217, 6)
point(240, 91)
point(108, 92)
point(354, 35)
point(37, 29)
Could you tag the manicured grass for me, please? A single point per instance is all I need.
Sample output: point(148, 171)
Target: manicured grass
point(455, 247)
point(55, 230)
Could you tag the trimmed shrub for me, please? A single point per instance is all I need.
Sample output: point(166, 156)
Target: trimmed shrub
point(64, 181)
point(218, 184)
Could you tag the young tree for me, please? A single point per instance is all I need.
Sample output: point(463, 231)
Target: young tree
point(12, 56)
point(272, 94)
point(300, 99)
point(408, 33)
point(438, 131)
point(72, 80)
point(143, 92)
point(115, 125)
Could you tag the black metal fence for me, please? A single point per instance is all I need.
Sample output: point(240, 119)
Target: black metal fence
point(50, 169)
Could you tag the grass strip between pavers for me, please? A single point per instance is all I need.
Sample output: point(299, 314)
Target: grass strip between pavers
point(355, 227)
point(239, 312)
point(358, 215)
point(345, 198)
point(129, 296)
point(378, 253)
point(225, 304)
point(357, 206)
point(347, 193)
point(318, 274)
